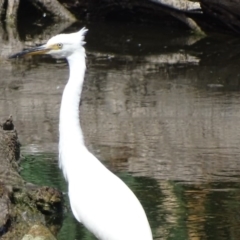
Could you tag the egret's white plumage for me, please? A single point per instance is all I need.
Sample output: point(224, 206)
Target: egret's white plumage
point(99, 199)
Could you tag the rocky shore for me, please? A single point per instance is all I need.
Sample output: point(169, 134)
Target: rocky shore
point(26, 210)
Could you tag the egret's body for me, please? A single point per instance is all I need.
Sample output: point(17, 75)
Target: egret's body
point(99, 199)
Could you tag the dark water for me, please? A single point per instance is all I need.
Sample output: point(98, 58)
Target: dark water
point(160, 108)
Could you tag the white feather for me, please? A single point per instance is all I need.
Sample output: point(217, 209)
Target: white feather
point(98, 198)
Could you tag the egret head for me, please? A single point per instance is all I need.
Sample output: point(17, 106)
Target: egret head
point(59, 46)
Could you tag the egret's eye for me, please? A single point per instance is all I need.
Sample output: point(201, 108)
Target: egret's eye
point(59, 45)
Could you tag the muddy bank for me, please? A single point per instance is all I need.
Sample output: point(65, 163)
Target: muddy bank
point(22, 204)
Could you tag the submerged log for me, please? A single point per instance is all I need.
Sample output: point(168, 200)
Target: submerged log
point(199, 15)
point(12, 10)
point(224, 12)
point(146, 9)
point(53, 7)
point(2, 10)
point(58, 11)
point(21, 204)
point(204, 15)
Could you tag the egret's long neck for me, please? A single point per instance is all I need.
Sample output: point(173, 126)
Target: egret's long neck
point(71, 136)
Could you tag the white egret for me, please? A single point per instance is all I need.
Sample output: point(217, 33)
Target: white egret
point(100, 200)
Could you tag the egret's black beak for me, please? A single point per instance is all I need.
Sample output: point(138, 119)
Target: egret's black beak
point(32, 51)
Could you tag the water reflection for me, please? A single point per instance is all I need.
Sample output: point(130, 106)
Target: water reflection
point(160, 108)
